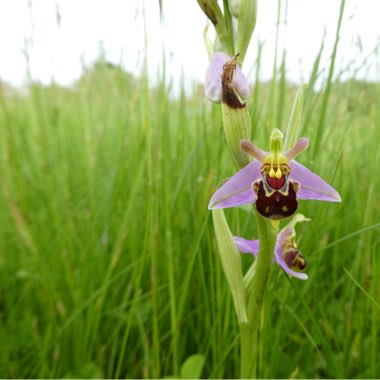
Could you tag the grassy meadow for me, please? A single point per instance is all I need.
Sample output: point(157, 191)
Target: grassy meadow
point(108, 261)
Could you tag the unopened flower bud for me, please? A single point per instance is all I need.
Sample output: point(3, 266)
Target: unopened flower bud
point(212, 10)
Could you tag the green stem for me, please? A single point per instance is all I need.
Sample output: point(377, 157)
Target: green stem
point(249, 331)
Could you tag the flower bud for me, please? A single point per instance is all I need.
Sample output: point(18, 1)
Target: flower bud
point(212, 10)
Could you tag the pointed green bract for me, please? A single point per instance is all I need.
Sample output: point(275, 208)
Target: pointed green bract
point(292, 132)
point(248, 277)
point(231, 262)
point(207, 41)
point(237, 127)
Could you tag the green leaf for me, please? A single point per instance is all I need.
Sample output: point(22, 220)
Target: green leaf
point(231, 262)
point(192, 367)
point(246, 26)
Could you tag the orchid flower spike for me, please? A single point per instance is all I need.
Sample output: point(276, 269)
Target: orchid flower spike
point(286, 253)
point(213, 83)
point(274, 181)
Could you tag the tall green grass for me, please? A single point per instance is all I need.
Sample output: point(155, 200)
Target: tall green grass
point(108, 263)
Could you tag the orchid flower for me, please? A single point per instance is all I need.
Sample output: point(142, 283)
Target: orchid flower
point(286, 254)
point(213, 83)
point(274, 181)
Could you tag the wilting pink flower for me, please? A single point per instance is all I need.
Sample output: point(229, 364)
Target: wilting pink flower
point(286, 253)
point(213, 83)
point(273, 181)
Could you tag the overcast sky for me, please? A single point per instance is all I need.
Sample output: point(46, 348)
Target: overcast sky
point(57, 47)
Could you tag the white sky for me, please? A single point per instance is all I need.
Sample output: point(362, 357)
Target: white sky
point(58, 51)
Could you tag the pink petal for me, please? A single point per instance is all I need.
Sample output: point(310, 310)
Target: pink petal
point(213, 83)
point(247, 246)
point(311, 185)
point(301, 145)
point(247, 147)
point(237, 190)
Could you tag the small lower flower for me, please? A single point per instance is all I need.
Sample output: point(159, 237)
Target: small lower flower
point(286, 253)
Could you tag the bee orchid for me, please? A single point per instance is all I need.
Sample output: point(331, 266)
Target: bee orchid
point(274, 181)
point(286, 253)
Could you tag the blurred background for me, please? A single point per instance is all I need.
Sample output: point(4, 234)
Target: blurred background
point(55, 40)
point(109, 154)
